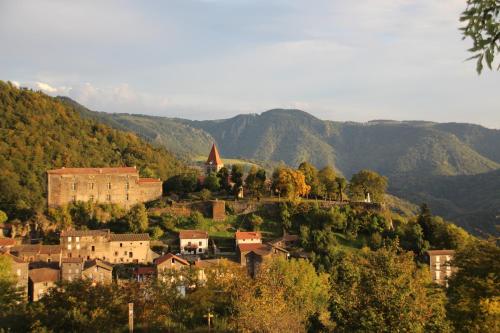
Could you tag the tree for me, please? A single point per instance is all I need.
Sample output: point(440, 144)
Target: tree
point(137, 219)
point(311, 177)
point(10, 296)
point(3, 217)
point(237, 177)
point(341, 187)
point(473, 292)
point(289, 182)
point(212, 182)
point(255, 181)
point(327, 178)
point(223, 175)
point(367, 181)
point(482, 18)
point(383, 291)
point(256, 221)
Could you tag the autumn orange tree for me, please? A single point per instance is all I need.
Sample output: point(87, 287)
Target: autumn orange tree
point(290, 183)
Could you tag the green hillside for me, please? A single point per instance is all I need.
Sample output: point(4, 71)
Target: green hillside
point(38, 132)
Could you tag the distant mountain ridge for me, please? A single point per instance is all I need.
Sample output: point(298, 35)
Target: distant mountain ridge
point(410, 153)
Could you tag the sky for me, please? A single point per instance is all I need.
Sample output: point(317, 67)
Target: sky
point(209, 59)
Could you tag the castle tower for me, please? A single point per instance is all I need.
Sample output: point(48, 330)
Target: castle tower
point(214, 162)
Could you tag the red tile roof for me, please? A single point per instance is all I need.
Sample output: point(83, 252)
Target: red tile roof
point(145, 271)
point(252, 247)
point(149, 180)
point(193, 234)
point(43, 275)
point(441, 252)
point(169, 256)
point(213, 157)
point(7, 242)
point(14, 258)
point(248, 235)
point(84, 171)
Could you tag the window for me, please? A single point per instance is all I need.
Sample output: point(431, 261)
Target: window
point(126, 197)
point(18, 272)
point(127, 185)
point(200, 250)
point(189, 243)
point(78, 246)
point(73, 198)
point(199, 243)
point(76, 270)
point(124, 253)
point(93, 248)
point(69, 239)
point(91, 186)
point(91, 197)
point(130, 254)
point(109, 186)
point(77, 239)
point(121, 244)
point(69, 246)
point(108, 197)
point(73, 186)
point(116, 253)
point(437, 258)
point(438, 275)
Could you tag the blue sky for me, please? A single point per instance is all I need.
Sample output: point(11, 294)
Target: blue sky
point(205, 59)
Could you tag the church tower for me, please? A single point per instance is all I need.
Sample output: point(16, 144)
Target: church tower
point(214, 162)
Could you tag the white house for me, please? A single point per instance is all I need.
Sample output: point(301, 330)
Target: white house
point(248, 237)
point(193, 241)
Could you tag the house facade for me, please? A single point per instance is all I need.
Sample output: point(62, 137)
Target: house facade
point(247, 237)
point(193, 241)
point(40, 281)
point(38, 253)
point(19, 270)
point(169, 262)
point(121, 186)
point(440, 265)
point(107, 246)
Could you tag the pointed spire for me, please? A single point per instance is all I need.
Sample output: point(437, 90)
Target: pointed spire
point(213, 157)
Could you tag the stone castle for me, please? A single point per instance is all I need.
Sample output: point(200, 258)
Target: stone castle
point(121, 186)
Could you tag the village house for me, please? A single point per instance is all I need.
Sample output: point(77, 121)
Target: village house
point(247, 237)
point(40, 281)
point(143, 274)
point(95, 270)
point(440, 265)
point(255, 258)
point(121, 186)
point(244, 250)
point(107, 246)
point(19, 269)
point(169, 262)
point(193, 241)
point(33, 253)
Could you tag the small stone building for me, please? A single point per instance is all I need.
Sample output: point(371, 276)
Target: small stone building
point(19, 270)
point(40, 281)
point(255, 258)
point(440, 265)
point(168, 262)
point(121, 186)
point(38, 253)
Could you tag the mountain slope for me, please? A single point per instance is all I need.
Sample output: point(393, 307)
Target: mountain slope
point(38, 132)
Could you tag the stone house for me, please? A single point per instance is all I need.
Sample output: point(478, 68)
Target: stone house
point(255, 258)
point(440, 265)
point(107, 246)
point(40, 281)
point(19, 270)
point(98, 271)
point(38, 253)
point(193, 241)
point(121, 186)
point(168, 262)
point(71, 269)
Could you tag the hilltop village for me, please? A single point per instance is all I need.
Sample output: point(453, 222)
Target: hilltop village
point(92, 254)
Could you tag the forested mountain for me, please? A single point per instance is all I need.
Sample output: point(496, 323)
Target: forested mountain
point(420, 158)
point(38, 132)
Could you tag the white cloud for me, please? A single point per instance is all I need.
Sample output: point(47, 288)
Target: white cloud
point(45, 87)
